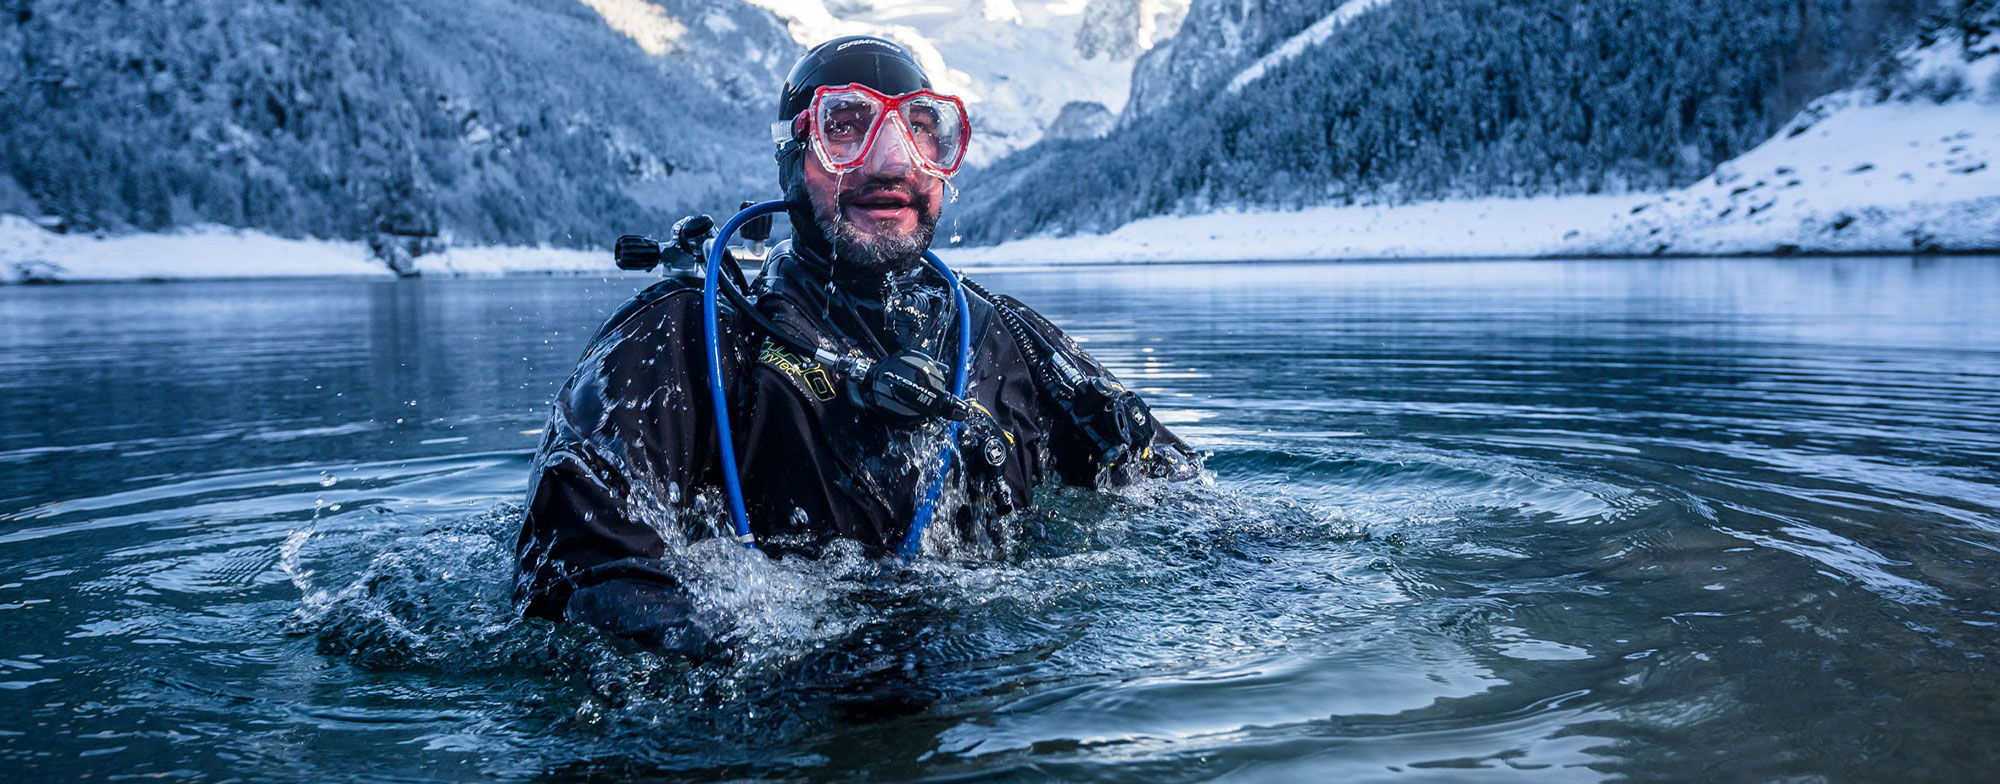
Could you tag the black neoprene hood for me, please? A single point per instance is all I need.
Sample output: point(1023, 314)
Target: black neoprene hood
point(852, 59)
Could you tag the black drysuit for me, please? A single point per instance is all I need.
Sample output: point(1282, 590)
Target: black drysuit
point(631, 443)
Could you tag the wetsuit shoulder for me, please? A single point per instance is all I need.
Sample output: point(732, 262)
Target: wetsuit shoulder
point(649, 298)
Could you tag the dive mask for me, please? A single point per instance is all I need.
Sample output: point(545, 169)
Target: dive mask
point(845, 123)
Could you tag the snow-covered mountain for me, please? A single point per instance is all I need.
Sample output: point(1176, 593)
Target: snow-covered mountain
point(1241, 40)
point(1909, 161)
point(736, 49)
point(402, 128)
point(485, 121)
point(1262, 103)
point(1304, 40)
point(417, 125)
point(1906, 162)
point(1016, 63)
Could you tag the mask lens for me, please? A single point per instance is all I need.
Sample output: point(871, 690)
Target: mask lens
point(937, 129)
point(846, 120)
point(842, 123)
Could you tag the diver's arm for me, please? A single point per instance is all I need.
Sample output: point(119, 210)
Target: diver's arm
point(584, 559)
point(628, 442)
point(1101, 432)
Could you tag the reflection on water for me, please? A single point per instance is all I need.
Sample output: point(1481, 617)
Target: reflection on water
point(1728, 519)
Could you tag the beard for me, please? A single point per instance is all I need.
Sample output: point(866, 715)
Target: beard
point(876, 254)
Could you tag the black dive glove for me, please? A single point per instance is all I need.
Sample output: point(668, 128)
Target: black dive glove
point(653, 615)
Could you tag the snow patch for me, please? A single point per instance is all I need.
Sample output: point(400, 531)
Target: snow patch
point(1844, 177)
point(1949, 69)
point(29, 253)
point(498, 261)
point(718, 23)
point(1000, 11)
point(1308, 38)
point(1446, 229)
point(646, 24)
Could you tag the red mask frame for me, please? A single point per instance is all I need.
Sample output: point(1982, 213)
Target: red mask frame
point(890, 106)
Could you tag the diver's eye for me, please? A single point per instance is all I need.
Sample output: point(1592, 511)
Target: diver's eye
point(846, 121)
point(841, 131)
point(926, 139)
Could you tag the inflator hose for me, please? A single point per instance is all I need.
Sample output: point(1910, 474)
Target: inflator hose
point(914, 540)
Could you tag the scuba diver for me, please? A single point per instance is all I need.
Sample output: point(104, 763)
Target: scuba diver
point(829, 376)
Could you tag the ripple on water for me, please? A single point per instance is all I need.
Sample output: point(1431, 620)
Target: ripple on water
point(1260, 614)
point(1520, 521)
point(1164, 580)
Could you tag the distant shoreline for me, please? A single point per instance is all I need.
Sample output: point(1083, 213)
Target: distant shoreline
point(982, 266)
point(1846, 179)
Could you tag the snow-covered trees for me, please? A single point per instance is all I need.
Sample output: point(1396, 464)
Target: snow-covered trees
point(512, 121)
point(530, 121)
point(1433, 98)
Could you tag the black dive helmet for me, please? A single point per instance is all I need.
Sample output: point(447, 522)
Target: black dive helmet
point(877, 63)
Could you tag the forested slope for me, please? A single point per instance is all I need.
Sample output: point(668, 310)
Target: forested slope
point(483, 121)
point(1419, 99)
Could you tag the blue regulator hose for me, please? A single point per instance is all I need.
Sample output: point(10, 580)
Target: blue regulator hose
point(713, 327)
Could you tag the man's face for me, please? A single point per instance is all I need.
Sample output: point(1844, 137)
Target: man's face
point(881, 216)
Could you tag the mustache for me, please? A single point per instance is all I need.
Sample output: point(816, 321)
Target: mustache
point(877, 186)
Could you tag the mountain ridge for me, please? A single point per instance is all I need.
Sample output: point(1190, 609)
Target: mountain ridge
point(512, 122)
point(1426, 99)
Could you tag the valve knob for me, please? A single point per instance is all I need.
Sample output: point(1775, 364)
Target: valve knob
point(637, 253)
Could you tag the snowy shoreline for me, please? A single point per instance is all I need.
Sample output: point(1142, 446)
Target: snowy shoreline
point(1847, 177)
point(1400, 233)
point(31, 254)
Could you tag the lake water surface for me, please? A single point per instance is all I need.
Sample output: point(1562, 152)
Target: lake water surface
point(1536, 521)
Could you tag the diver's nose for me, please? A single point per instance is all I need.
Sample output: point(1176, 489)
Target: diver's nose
point(891, 155)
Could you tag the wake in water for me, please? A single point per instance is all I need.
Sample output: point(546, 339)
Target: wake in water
point(810, 641)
